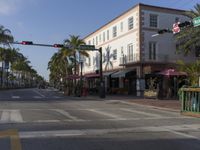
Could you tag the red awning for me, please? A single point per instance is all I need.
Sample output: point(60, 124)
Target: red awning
point(73, 76)
point(92, 75)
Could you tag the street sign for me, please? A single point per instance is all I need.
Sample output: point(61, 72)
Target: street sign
point(86, 47)
point(176, 28)
point(196, 21)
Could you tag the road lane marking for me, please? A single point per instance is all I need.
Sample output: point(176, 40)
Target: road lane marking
point(141, 112)
point(86, 132)
point(39, 93)
point(5, 116)
point(66, 114)
point(15, 97)
point(37, 97)
point(105, 114)
point(16, 116)
point(11, 116)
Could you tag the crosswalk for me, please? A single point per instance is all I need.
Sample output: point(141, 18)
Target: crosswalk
point(77, 115)
point(32, 97)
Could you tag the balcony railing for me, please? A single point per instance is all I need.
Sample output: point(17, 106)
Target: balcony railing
point(135, 58)
point(129, 59)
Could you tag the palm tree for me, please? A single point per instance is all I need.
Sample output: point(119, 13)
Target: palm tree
point(192, 70)
point(5, 39)
point(188, 39)
point(74, 42)
point(5, 36)
point(107, 59)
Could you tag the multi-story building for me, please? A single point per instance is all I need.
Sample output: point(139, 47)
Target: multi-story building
point(129, 50)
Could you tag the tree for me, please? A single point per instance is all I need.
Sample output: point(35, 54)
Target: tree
point(192, 70)
point(74, 42)
point(5, 39)
point(188, 39)
point(5, 36)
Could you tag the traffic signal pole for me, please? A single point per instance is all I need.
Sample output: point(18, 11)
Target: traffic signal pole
point(102, 84)
point(81, 47)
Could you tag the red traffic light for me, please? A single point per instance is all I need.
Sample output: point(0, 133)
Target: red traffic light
point(27, 43)
point(58, 45)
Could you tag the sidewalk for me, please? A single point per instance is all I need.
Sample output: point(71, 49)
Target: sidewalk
point(169, 104)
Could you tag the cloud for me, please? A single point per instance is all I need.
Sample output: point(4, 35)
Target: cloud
point(8, 7)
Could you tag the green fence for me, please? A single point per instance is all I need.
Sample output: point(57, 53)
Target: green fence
point(190, 99)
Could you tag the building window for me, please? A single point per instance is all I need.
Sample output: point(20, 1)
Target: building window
point(104, 36)
point(94, 60)
point(93, 41)
point(96, 40)
point(153, 20)
point(152, 50)
point(99, 38)
point(121, 26)
point(114, 31)
point(107, 34)
point(130, 23)
point(89, 42)
point(130, 53)
point(89, 61)
point(115, 54)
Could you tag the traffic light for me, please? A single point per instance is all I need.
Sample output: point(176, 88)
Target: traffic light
point(58, 45)
point(185, 24)
point(27, 43)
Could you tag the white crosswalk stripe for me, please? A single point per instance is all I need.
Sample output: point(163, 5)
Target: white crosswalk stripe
point(67, 114)
point(141, 112)
point(101, 112)
point(11, 116)
point(15, 97)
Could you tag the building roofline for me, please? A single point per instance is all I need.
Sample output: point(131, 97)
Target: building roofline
point(139, 4)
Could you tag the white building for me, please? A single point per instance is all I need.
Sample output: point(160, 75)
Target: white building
point(130, 50)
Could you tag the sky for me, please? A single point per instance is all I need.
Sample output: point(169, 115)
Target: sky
point(52, 21)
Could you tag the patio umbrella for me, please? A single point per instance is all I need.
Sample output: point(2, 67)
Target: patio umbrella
point(172, 72)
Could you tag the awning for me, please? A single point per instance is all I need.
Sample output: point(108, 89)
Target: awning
point(121, 73)
point(91, 75)
point(106, 74)
point(73, 76)
point(172, 72)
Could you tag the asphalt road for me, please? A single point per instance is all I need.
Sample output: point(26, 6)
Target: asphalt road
point(44, 119)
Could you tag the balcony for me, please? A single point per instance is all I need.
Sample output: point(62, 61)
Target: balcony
point(129, 59)
point(160, 58)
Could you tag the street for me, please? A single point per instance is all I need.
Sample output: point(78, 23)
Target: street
point(47, 120)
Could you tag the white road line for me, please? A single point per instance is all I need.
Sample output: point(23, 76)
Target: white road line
point(39, 93)
point(65, 133)
point(56, 97)
point(5, 116)
point(15, 97)
point(16, 116)
point(37, 97)
point(141, 112)
point(106, 114)
point(66, 114)
point(11, 116)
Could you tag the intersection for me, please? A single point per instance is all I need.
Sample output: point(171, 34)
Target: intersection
point(45, 117)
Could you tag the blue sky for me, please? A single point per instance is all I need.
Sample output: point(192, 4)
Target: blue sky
point(52, 21)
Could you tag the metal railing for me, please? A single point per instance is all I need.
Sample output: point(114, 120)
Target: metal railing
point(190, 100)
point(129, 58)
